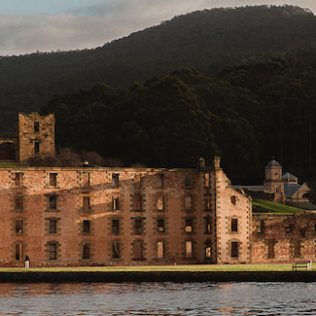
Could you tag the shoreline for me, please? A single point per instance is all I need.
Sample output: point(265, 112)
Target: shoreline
point(155, 276)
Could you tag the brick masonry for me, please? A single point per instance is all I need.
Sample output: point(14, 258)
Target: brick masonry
point(59, 228)
point(36, 135)
point(283, 238)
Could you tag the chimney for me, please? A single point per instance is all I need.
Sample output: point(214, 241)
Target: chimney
point(201, 163)
point(217, 163)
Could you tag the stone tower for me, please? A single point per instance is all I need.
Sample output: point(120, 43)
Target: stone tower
point(36, 136)
point(273, 182)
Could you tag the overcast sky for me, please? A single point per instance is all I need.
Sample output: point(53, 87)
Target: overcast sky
point(46, 25)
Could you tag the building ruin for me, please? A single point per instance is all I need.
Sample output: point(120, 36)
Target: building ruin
point(128, 216)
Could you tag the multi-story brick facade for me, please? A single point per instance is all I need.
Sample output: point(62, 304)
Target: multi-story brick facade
point(109, 216)
point(64, 216)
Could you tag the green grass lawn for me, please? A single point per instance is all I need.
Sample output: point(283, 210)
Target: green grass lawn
point(181, 268)
point(10, 164)
point(272, 207)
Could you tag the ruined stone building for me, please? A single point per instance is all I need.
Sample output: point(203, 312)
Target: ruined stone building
point(128, 216)
point(35, 135)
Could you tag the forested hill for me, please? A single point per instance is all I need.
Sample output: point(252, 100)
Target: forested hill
point(246, 114)
point(205, 40)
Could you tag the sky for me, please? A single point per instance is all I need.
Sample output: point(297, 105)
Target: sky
point(28, 26)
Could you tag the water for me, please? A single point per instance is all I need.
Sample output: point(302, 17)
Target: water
point(162, 299)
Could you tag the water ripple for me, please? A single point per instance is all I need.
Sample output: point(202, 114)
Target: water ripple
point(159, 299)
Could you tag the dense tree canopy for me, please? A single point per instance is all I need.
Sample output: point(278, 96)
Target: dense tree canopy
point(247, 113)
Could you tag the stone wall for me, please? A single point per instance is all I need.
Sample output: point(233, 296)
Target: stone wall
point(283, 238)
point(102, 216)
point(36, 135)
point(233, 221)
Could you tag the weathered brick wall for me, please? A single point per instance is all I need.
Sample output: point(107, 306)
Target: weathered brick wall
point(231, 205)
point(293, 237)
point(33, 187)
point(29, 135)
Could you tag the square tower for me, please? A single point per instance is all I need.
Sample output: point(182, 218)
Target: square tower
point(36, 135)
point(273, 181)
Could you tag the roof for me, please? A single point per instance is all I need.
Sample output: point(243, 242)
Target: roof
point(290, 189)
point(289, 176)
point(273, 163)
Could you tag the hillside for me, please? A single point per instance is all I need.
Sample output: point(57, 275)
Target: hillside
point(246, 114)
point(206, 40)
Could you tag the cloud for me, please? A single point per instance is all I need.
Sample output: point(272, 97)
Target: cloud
point(92, 25)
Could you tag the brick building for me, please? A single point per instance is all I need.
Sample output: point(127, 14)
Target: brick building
point(128, 216)
point(98, 215)
point(66, 216)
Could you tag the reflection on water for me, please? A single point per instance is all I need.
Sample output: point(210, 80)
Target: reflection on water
point(158, 299)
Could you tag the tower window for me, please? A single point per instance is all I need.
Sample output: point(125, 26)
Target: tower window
point(188, 225)
point(52, 226)
point(233, 199)
point(137, 202)
point(115, 203)
point(160, 250)
point(52, 251)
point(115, 180)
point(208, 249)
point(86, 227)
point(160, 181)
point(86, 253)
point(18, 203)
point(297, 248)
point(260, 227)
point(18, 179)
point(53, 179)
point(234, 225)
point(86, 203)
point(19, 226)
point(160, 203)
point(138, 226)
point(138, 250)
point(189, 249)
point(115, 226)
point(234, 249)
point(188, 181)
point(52, 202)
point(161, 225)
point(207, 202)
point(271, 252)
point(18, 251)
point(116, 250)
point(37, 147)
point(188, 202)
point(206, 180)
point(36, 127)
point(207, 225)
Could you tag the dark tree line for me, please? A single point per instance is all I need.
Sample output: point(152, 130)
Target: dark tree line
point(247, 113)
